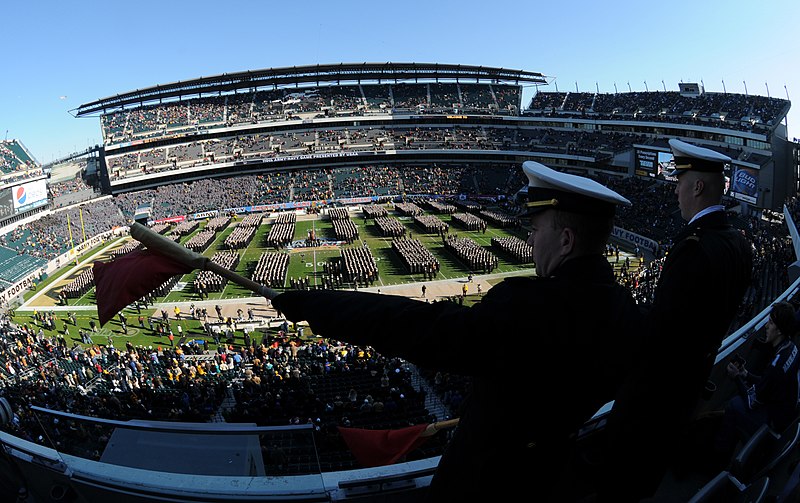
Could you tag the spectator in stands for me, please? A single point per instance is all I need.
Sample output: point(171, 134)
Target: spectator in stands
point(702, 284)
point(580, 312)
point(769, 398)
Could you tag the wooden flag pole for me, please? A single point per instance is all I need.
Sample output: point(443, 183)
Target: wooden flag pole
point(434, 428)
point(169, 248)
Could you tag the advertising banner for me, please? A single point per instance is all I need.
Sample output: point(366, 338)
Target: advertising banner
point(635, 239)
point(745, 184)
point(28, 194)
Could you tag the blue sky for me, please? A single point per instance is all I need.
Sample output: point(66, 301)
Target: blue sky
point(61, 54)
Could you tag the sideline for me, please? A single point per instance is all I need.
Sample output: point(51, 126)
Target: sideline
point(25, 305)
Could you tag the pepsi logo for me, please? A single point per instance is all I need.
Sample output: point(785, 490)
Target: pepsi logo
point(20, 195)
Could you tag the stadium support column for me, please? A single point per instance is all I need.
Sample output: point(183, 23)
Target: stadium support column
point(103, 174)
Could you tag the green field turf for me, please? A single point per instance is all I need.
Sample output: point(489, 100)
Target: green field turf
point(113, 335)
point(303, 262)
point(309, 262)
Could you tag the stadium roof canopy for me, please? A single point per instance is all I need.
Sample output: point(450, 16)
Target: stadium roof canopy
point(333, 73)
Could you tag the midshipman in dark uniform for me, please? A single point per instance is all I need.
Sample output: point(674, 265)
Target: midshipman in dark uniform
point(545, 353)
point(702, 283)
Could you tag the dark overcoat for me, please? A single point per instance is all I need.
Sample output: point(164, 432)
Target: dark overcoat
point(544, 355)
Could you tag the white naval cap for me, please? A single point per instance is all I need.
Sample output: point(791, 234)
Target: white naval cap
point(691, 157)
point(548, 188)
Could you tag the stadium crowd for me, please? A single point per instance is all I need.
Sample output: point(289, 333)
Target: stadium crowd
point(49, 236)
point(188, 382)
point(54, 234)
point(15, 160)
point(728, 110)
point(197, 114)
point(287, 380)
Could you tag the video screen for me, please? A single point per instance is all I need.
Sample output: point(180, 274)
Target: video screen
point(652, 163)
point(745, 184)
point(666, 162)
point(646, 162)
point(6, 204)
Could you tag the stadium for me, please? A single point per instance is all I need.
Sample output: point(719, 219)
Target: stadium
point(394, 178)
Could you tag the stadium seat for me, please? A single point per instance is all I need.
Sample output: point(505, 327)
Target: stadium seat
point(763, 451)
point(725, 488)
point(791, 487)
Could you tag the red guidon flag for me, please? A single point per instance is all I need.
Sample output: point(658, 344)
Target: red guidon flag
point(382, 447)
point(131, 277)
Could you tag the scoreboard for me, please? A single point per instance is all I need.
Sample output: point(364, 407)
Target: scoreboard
point(652, 163)
point(6, 203)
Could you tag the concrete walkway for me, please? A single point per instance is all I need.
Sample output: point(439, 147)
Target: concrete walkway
point(262, 308)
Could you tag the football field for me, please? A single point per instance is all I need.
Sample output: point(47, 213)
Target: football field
point(306, 262)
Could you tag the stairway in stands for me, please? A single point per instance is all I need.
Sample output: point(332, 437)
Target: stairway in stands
point(432, 402)
point(227, 404)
